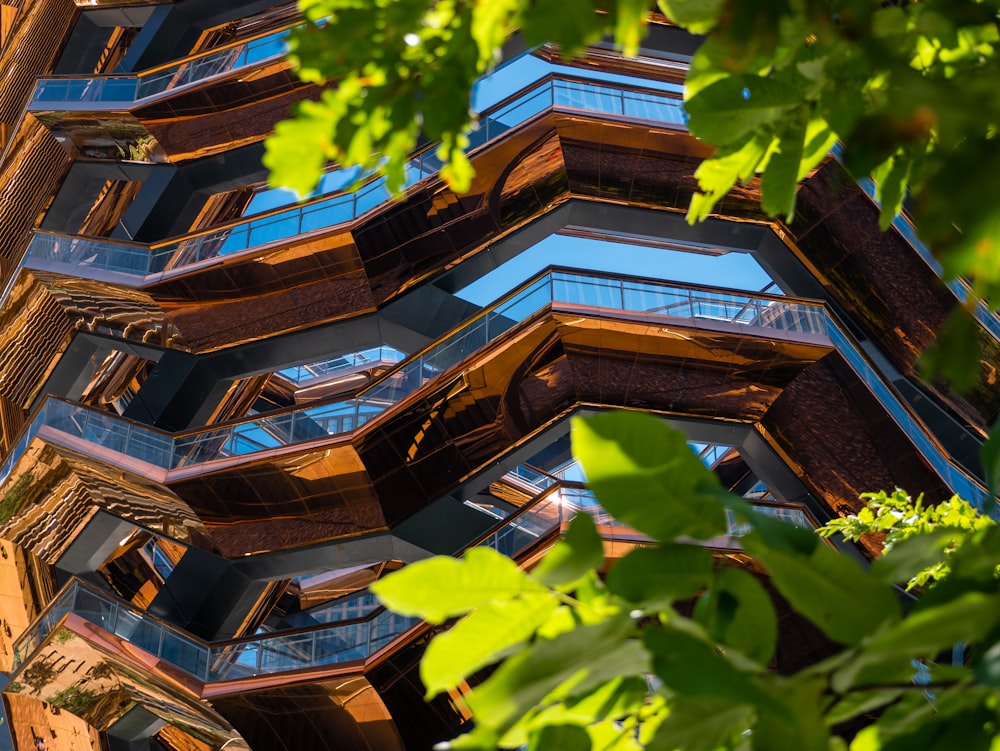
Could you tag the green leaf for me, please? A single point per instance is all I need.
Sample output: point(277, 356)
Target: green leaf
point(441, 587)
point(924, 634)
point(630, 24)
point(829, 589)
point(614, 698)
point(988, 669)
point(956, 720)
point(779, 535)
point(663, 573)
point(572, 24)
point(718, 174)
point(644, 474)
point(780, 177)
point(737, 611)
point(734, 107)
point(297, 151)
point(700, 724)
point(580, 551)
point(890, 186)
point(525, 679)
point(907, 558)
point(692, 667)
point(481, 638)
point(819, 140)
point(798, 725)
point(860, 702)
point(562, 737)
point(697, 16)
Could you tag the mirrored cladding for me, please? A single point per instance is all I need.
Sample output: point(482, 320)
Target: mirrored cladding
point(93, 678)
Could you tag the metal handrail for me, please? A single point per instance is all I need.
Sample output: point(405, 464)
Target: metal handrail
point(370, 401)
point(213, 661)
point(218, 235)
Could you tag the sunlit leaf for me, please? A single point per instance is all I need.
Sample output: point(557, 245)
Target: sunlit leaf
point(580, 551)
point(644, 474)
point(665, 572)
point(700, 724)
point(733, 107)
point(909, 557)
point(439, 588)
point(481, 638)
point(630, 24)
point(830, 589)
point(698, 16)
point(718, 174)
point(527, 677)
point(779, 181)
point(693, 667)
point(737, 611)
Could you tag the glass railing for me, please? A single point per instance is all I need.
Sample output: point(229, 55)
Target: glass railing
point(327, 645)
point(353, 641)
point(574, 499)
point(69, 93)
point(959, 287)
point(339, 208)
point(321, 421)
point(302, 374)
point(66, 420)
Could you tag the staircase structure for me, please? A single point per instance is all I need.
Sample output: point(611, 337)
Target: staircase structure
point(223, 414)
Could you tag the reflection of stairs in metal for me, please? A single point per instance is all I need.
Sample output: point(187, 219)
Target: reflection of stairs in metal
point(447, 206)
point(343, 646)
point(354, 644)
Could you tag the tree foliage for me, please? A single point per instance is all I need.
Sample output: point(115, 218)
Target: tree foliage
point(898, 517)
point(611, 662)
point(908, 88)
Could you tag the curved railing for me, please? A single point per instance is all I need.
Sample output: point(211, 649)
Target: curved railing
point(323, 420)
point(330, 211)
point(75, 93)
point(322, 369)
point(338, 643)
point(294, 428)
point(353, 641)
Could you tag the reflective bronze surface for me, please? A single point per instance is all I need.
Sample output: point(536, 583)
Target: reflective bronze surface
point(339, 715)
point(66, 489)
point(27, 584)
point(83, 671)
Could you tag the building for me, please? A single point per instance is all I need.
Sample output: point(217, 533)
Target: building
point(222, 415)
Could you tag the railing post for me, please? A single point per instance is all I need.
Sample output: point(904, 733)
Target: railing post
point(260, 657)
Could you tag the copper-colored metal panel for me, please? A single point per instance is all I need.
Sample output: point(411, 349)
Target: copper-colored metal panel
point(66, 489)
point(219, 117)
point(341, 715)
point(884, 284)
point(849, 444)
point(82, 670)
point(36, 724)
point(27, 584)
point(286, 502)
